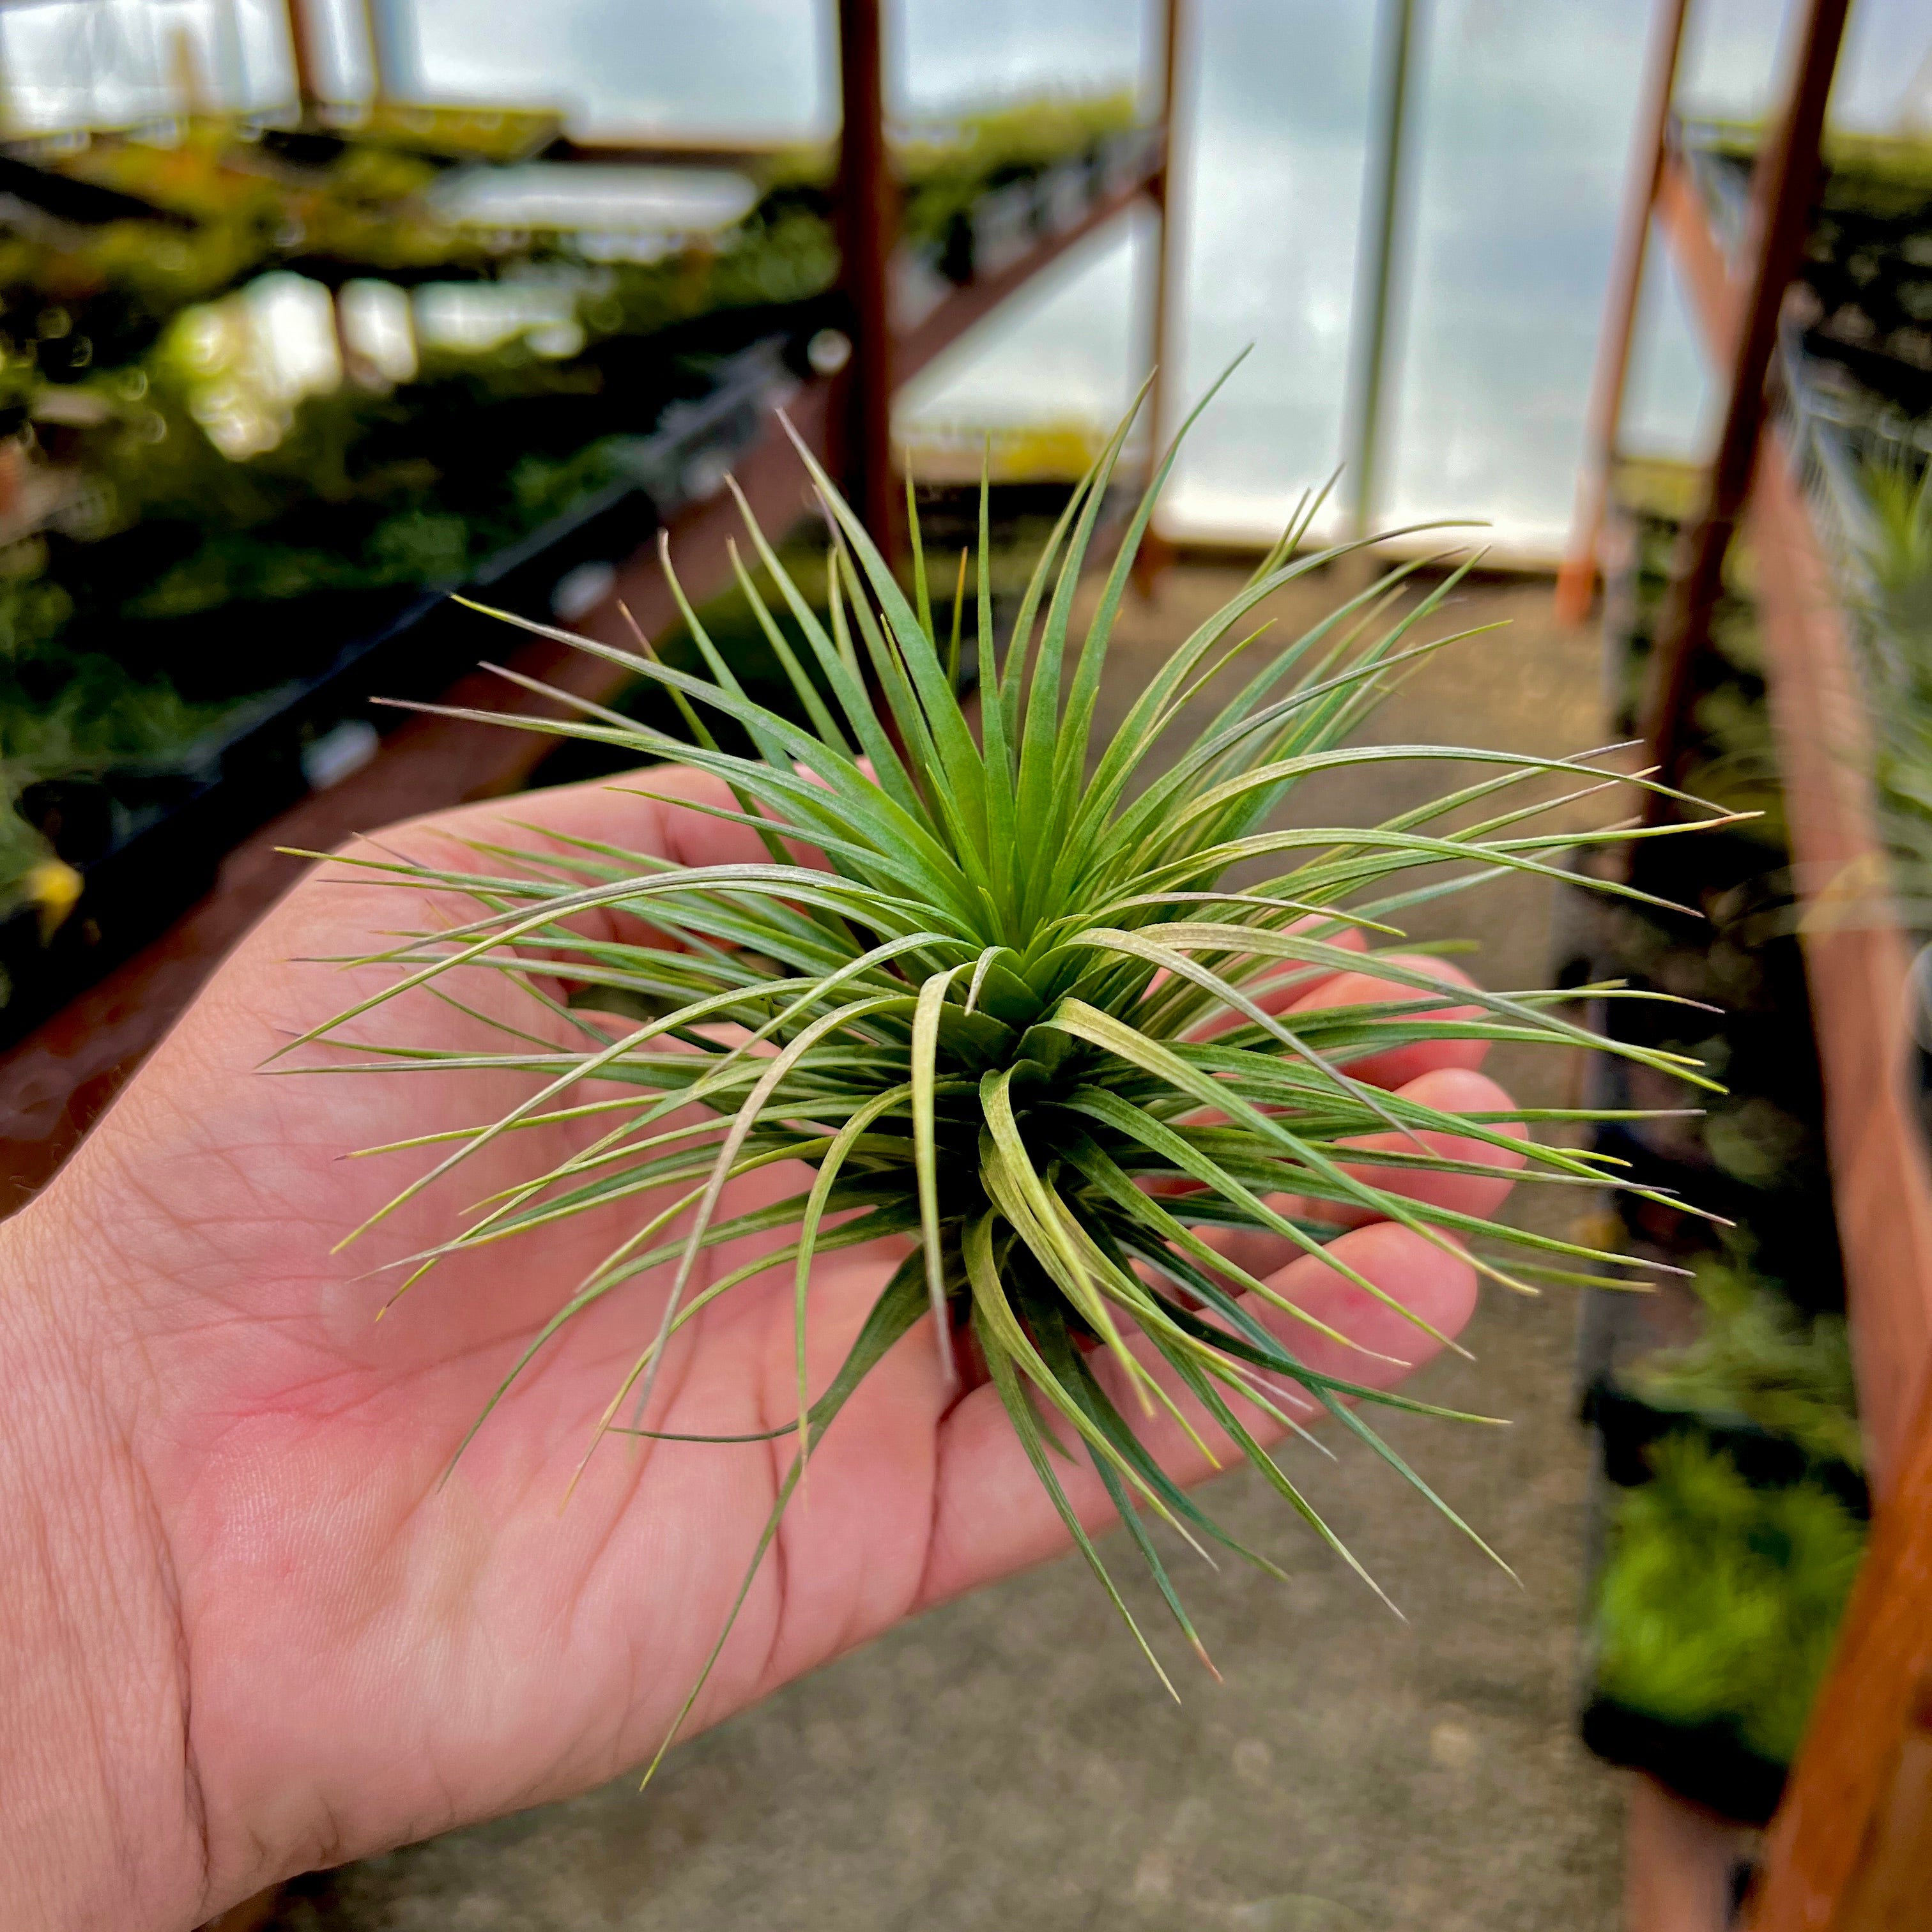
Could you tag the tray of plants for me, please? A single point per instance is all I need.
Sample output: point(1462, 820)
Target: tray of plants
point(1734, 1510)
point(111, 844)
point(1716, 1610)
point(978, 190)
point(309, 385)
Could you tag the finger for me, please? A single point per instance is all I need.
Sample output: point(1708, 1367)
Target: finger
point(1450, 1090)
point(666, 810)
point(1284, 985)
point(991, 1516)
point(1391, 1066)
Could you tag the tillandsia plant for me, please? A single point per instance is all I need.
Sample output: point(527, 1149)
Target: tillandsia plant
point(992, 993)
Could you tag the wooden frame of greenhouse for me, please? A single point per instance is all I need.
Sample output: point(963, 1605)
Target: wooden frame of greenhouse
point(1850, 1845)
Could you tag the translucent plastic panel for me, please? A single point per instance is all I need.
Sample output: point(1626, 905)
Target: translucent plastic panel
point(1069, 349)
point(750, 68)
point(1268, 218)
point(1266, 213)
point(945, 55)
point(1521, 144)
point(1669, 400)
point(75, 64)
point(1884, 82)
point(765, 67)
point(1729, 63)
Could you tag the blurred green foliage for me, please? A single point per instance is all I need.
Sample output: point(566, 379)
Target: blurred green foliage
point(203, 491)
point(1760, 1360)
point(1720, 1602)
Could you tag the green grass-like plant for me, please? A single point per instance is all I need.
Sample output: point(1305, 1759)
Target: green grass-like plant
point(1016, 1013)
point(1758, 1359)
point(1720, 1602)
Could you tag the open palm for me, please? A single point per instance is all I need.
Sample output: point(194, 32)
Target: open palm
point(368, 1652)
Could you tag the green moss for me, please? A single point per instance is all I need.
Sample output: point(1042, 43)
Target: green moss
point(1720, 1602)
point(1761, 1360)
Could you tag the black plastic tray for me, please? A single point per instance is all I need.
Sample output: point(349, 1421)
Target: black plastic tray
point(1705, 1763)
point(147, 841)
point(1629, 1425)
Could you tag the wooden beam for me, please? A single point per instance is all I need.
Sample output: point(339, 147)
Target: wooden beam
point(377, 19)
point(302, 55)
point(979, 298)
point(1701, 267)
point(1577, 581)
point(1850, 1850)
point(1156, 550)
point(1856, 961)
point(1783, 187)
point(863, 445)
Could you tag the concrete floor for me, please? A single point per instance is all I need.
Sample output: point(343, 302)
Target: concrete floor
point(1009, 1761)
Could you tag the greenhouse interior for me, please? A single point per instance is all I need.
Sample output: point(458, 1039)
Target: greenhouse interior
point(1156, 777)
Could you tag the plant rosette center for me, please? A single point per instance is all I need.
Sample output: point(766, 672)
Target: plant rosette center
point(987, 988)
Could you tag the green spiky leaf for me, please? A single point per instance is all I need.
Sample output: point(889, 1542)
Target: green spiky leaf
point(1013, 1011)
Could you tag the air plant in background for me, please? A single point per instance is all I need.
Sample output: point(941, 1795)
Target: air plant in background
point(1016, 1013)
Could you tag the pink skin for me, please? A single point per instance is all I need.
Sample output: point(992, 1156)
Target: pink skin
point(310, 1647)
point(1398, 1065)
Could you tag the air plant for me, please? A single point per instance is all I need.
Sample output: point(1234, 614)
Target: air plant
point(1014, 1012)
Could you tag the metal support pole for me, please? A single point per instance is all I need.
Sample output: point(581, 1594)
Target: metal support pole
point(1577, 581)
point(1782, 189)
point(865, 227)
point(1156, 551)
point(1381, 212)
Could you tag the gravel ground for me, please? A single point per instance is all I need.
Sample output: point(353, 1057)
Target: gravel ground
point(1008, 1760)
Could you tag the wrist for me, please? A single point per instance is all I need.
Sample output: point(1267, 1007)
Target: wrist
point(99, 1815)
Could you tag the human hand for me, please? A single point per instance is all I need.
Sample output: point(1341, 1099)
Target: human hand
point(260, 1632)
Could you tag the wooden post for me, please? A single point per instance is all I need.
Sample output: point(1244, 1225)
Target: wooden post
point(376, 18)
point(1850, 1850)
point(866, 228)
point(185, 76)
point(302, 52)
point(1577, 581)
point(1381, 214)
point(1781, 192)
point(1156, 551)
